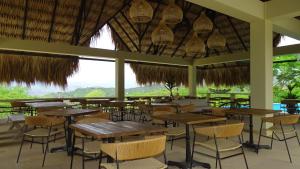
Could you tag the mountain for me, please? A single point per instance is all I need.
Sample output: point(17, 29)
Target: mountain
point(109, 92)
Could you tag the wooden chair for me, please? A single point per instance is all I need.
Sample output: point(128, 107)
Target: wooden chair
point(283, 129)
point(87, 148)
point(135, 154)
point(173, 133)
point(186, 108)
point(222, 141)
point(43, 128)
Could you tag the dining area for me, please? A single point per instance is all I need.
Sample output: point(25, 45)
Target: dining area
point(173, 136)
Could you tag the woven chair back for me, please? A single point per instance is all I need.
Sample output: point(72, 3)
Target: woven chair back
point(135, 149)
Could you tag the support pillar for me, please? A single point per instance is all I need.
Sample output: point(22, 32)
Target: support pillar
point(192, 71)
point(261, 67)
point(120, 85)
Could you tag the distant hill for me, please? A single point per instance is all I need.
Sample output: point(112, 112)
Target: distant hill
point(110, 92)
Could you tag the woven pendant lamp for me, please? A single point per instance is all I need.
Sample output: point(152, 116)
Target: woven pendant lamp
point(162, 35)
point(216, 40)
point(140, 11)
point(195, 45)
point(203, 24)
point(172, 14)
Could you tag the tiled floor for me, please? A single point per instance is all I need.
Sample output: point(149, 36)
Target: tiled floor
point(266, 159)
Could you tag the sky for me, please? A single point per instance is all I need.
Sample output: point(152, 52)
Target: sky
point(101, 73)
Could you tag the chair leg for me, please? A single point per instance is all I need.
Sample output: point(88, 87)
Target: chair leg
point(83, 157)
point(259, 137)
point(43, 148)
point(216, 164)
point(72, 153)
point(244, 157)
point(47, 144)
point(20, 148)
point(286, 145)
point(172, 142)
point(31, 143)
point(219, 159)
point(296, 135)
point(193, 150)
point(100, 160)
point(272, 139)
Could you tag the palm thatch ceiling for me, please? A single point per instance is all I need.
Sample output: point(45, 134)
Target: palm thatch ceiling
point(77, 22)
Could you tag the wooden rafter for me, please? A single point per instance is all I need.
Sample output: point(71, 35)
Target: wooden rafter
point(130, 24)
point(52, 20)
point(85, 16)
point(100, 15)
point(113, 29)
point(25, 18)
point(122, 28)
point(113, 16)
point(148, 25)
point(75, 37)
point(185, 35)
point(237, 33)
point(176, 27)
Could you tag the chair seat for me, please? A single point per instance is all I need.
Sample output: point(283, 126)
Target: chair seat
point(175, 131)
point(287, 130)
point(148, 163)
point(92, 147)
point(223, 144)
point(41, 132)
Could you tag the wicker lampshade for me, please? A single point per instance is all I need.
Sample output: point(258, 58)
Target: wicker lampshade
point(140, 11)
point(172, 14)
point(162, 35)
point(195, 45)
point(216, 40)
point(203, 24)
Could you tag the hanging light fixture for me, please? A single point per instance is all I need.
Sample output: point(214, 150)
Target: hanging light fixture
point(140, 11)
point(195, 45)
point(172, 14)
point(216, 40)
point(162, 34)
point(203, 24)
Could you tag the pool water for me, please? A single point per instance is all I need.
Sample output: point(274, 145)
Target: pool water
point(276, 106)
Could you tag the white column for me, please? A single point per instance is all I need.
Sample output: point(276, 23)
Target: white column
point(261, 64)
point(120, 85)
point(261, 72)
point(192, 71)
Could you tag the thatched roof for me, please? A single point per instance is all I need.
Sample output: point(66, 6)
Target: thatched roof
point(77, 22)
point(217, 75)
point(31, 69)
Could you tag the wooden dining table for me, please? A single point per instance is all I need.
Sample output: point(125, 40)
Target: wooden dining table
point(68, 114)
point(188, 119)
point(250, 112)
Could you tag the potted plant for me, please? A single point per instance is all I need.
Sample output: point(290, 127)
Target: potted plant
point(291, 104)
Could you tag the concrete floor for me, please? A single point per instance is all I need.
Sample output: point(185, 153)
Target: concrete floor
point(277, 158)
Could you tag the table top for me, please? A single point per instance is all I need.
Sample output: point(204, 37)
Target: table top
point(69, 112)
point(251, 111)
point(94, 101)
point(30, 101)
point(189, 118)
point(46, 104)
point(116, 129)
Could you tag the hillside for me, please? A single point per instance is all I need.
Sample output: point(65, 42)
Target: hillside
point(110, 92)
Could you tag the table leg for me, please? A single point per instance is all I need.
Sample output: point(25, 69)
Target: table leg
point(186, 164)
point(250, 142)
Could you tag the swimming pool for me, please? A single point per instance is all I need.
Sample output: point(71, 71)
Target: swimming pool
point(276, 106)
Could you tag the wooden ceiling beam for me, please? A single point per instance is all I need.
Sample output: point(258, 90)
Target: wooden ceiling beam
point(122, 28)
point(25, 18)
point(85, 16)
point(100, 15)
point(237, 33)
point(78, 22)
point(122, 41)
point(52, 20)
point(109, 19)
point(130, 24)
